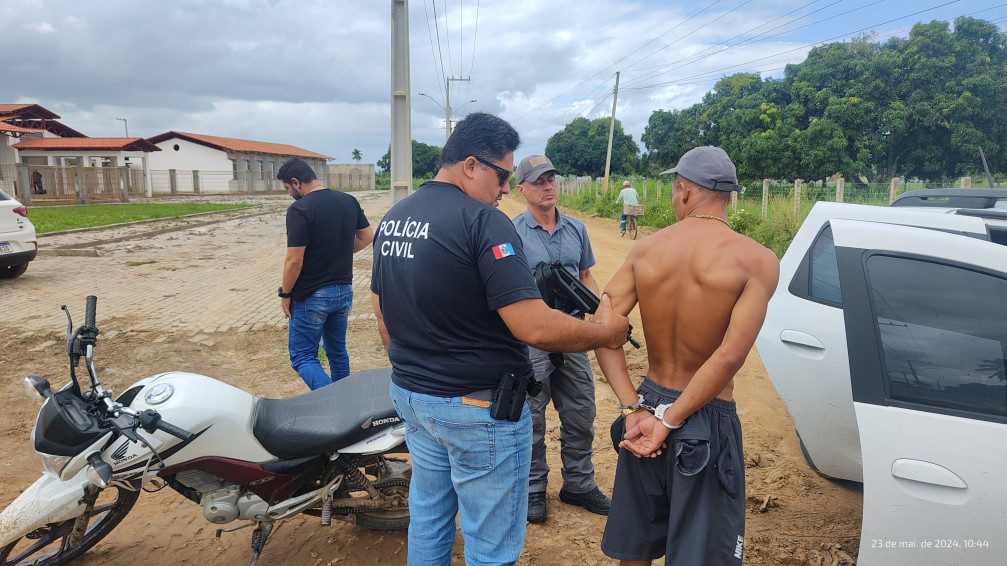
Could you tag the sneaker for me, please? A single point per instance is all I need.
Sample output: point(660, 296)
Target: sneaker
point(594, 501)
point(537, 512)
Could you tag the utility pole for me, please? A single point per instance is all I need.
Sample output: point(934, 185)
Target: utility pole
point(447, 106)
point(402, 147)
point(611, 132)
point(125, 124)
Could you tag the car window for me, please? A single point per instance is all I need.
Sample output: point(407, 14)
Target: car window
point(824, 270)
point(4, 196)
point(943, 331)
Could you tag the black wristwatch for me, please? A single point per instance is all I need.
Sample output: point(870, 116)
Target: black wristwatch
point(282, 295)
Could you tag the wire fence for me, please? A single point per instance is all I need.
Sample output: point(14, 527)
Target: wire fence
point(765, 199)
point(52, 184)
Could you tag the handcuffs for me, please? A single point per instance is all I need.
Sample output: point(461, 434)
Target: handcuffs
point(657, 411)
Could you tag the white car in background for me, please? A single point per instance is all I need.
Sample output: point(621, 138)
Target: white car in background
point(886, 340)
point(18, 245)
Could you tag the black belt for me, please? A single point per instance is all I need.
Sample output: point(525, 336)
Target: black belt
point(482, 394)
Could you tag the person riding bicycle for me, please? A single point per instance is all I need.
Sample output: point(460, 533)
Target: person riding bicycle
point(627, 195)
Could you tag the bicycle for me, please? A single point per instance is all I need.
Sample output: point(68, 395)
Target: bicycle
point(631, 211)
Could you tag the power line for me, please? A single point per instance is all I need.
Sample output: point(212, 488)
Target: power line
point(690, 18)
point(472, 65)
point(803, 47)
point(439, 75)
point(696, 57)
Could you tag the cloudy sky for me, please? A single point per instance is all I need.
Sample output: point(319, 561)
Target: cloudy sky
point(316, 73)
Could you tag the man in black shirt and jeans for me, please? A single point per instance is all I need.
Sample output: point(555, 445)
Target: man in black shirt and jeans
point(456, 303)
point(324, 229)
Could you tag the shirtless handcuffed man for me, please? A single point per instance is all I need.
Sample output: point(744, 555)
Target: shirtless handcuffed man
point(703, 291)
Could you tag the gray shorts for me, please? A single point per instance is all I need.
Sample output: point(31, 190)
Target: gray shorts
point(688, 504)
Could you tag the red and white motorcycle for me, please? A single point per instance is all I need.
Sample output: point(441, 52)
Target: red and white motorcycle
point(239, 457)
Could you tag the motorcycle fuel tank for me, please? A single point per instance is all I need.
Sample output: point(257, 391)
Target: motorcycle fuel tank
point(219, 413)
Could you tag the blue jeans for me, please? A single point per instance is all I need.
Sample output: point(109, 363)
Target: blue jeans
point(464, 460)
point(323, 315)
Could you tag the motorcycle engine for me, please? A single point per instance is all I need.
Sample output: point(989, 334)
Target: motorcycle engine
point(221, 500)
point(221, 506)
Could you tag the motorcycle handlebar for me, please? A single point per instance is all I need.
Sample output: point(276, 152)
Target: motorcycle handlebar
point(91, 304)
point(151, 420)
point(173, 430)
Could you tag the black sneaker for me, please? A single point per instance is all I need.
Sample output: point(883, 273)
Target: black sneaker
point(594, 501)
point(537, 512)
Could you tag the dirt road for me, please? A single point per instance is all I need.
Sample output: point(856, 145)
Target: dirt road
point(202, 298)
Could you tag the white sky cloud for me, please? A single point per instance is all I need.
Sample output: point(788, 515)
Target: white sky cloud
point(315, 73)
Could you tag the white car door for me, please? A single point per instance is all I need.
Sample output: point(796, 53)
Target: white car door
point(926, 319)
point(803, 342)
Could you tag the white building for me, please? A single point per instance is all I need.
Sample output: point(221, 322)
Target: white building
point(223, 163)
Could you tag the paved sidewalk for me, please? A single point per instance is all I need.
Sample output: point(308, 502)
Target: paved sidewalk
point(210, 278)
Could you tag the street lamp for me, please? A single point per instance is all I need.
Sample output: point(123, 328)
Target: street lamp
point(447, 111)
point(125, 124)
point(431, 98)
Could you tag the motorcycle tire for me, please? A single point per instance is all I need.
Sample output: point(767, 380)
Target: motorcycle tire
point(44, 546)
point(396, 520)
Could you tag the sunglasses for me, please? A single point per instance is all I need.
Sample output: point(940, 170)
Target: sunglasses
point(503, 175)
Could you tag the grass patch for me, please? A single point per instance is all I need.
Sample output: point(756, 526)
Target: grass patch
point(54, 219)
point(136, 263)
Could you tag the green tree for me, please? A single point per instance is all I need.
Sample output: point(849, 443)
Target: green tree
point(357, 156)
point(426, 160)
point(580, 148)
point(916, 106)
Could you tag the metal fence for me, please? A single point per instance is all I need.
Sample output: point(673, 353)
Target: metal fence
point(50, 184)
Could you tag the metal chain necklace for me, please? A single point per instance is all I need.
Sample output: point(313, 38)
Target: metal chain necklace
point(711, 217)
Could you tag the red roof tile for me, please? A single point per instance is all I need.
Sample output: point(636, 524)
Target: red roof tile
point(239, 146)
point(13, 129)
point(26, 111)
point(86, 144)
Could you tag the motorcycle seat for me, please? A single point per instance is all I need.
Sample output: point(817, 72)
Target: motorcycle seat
point(326, 419)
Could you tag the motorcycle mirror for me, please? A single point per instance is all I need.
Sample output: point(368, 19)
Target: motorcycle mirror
point(99, 472)
point(36, 386)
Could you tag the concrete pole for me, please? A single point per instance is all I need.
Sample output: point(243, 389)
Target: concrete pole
point(611, 131)
point(402, 147)
point(797, 196)
point(765, 198)
point(840, 187)
point(148, 183)
point(447, 109)
point(893, 190)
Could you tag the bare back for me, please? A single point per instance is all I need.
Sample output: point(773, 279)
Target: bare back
point(689, 280)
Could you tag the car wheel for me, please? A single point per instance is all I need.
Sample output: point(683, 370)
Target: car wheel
point(12, 271)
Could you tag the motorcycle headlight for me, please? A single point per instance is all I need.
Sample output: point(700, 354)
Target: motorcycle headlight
point(47, 463)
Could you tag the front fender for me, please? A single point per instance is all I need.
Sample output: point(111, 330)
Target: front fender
point(48, 500)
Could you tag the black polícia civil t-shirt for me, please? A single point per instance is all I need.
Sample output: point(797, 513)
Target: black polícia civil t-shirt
point(443, 263)
point(325, 222)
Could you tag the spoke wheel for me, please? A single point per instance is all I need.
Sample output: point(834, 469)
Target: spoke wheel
point(49, 545)
point(632, 229)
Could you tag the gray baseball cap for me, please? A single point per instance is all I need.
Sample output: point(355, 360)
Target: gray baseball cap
point(709, 167)
point(532, 167)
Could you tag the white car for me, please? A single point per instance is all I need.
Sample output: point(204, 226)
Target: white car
point(886, 340)
point(18, 245)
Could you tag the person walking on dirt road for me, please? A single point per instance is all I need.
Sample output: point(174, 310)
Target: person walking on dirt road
point(703, 292)
point(324, 229)
point(627, 195)
point(548, 236)
point(455, 304)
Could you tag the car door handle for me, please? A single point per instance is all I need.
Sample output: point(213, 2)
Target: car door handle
point(926, 472)
point(801, 339)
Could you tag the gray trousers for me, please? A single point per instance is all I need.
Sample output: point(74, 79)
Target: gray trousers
point(571, 389)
